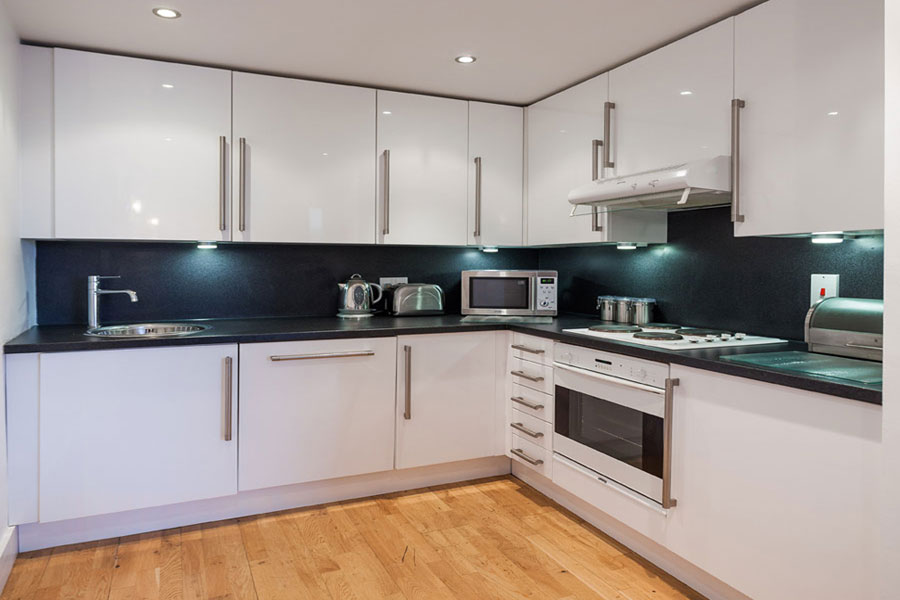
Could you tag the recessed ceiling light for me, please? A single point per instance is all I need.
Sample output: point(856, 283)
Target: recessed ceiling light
point(490, 249)
point(207, 245)
point(168, 86)
point(626, 246)
point(166, 13)
point(465, 59)
point(687, 93)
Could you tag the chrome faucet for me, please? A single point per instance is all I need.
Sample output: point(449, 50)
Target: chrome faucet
point(94, 293)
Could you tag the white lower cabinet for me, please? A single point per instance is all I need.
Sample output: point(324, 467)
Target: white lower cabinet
point(776, 487)
point(446, 386)
point(128, 429)
point(316, 410)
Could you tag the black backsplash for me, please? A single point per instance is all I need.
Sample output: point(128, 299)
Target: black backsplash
point(180, 281)
point(704, 276)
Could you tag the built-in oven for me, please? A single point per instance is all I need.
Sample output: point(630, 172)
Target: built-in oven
point(614, 416)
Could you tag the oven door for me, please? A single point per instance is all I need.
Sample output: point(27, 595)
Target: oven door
point(508, 293)
point(612, 426)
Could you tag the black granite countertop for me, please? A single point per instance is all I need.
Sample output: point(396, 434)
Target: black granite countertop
point(68, 338)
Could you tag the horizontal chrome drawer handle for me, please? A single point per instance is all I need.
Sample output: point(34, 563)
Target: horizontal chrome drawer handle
point(524, 402)
point(532, 461)
point(526, 431)
point(283, 357)
point(863, 346)
point(524, 375)
point(527, 349)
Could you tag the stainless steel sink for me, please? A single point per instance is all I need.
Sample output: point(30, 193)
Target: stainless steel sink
point(146, 330)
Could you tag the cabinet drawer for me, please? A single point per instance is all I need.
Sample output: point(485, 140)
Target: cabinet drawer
point(532, 375)
point(531, 455)
point(531, 402)
point(532, 349)
point(532, 429)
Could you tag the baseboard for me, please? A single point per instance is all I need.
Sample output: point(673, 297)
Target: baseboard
point(662, 557)
point(34, 536)
point(9, 548)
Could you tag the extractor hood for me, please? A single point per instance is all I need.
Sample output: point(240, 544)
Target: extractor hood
point(696, 184)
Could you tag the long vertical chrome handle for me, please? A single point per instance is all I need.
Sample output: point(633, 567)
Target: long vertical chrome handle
point(407, 404)
point(477, 196)
point(595, 159)
point(607, 133)
point(736, 106)
point(242, 184)
point(386, 228)
point(228, 397)
point(223, 193)
point(667, 500)
point(595, 175)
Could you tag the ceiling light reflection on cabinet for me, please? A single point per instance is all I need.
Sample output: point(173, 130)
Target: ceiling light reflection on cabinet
point(465, 59)
point(687, 93)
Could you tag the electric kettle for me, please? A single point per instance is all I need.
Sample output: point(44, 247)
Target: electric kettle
point(356, 297)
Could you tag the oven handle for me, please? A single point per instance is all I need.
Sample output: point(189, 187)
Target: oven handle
point(608, 379)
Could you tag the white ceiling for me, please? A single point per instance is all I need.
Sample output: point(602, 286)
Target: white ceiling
point(526, 49)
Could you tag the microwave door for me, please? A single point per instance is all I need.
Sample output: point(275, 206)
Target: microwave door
point(500, 295)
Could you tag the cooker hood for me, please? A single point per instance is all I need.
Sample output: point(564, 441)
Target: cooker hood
point(696, 184)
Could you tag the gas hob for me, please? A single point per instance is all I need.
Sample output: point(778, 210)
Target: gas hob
point(671, 337)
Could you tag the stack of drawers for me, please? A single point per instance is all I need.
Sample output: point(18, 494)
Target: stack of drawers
point(530, 409)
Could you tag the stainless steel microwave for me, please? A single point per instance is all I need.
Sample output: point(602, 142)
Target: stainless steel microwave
point(509, 293)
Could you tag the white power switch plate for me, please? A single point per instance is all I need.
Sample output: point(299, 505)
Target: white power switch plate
point(392, 281)
point(823, 286)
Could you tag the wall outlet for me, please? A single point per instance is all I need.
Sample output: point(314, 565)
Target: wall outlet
point(823, 286)
point(389, 282)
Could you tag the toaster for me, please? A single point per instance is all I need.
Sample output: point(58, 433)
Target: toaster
point(418, 299)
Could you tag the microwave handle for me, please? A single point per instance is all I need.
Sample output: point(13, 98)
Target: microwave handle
point(608, 379)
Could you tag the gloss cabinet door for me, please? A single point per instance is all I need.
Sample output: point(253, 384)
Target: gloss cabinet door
point(446, 398)
point(495, 174)
point(128, 429)
point(422, 169)
point(302, 161)
point(141, 149)
point(674, 104)
point(811, 75)
point(316, 410)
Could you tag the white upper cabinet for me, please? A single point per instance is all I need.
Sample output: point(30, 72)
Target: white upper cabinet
point(811, 75)
point(128, 429)
point(422, 166)
point(302, 161)
point(447, 412)
point(141, 148)
point(674, 105)
point(495, 174)
point(565, 135)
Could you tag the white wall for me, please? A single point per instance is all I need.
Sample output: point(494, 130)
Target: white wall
point(890, 530)
point(13, 304)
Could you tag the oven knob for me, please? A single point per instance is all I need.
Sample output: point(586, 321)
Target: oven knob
point(740, 336)
point(711, 338)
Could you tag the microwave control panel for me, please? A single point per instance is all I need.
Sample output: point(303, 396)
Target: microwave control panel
point(546, 294)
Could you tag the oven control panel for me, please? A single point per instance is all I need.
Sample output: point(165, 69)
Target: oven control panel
point(546, 293)
point(647, 372)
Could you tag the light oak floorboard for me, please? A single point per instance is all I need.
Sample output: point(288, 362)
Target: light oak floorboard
point(489, 539)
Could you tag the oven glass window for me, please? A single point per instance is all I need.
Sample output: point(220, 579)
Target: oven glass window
point(499, 292)
point(623, 433)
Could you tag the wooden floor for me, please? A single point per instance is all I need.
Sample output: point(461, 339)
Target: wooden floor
point(493, 538)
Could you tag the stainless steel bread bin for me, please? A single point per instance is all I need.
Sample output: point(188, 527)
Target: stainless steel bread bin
point(418, 299)
point(846, 327)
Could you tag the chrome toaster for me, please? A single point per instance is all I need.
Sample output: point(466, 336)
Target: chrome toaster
point(418, 299)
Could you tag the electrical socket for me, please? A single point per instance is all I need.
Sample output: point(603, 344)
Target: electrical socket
point(829, 284)
point(389, 282)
